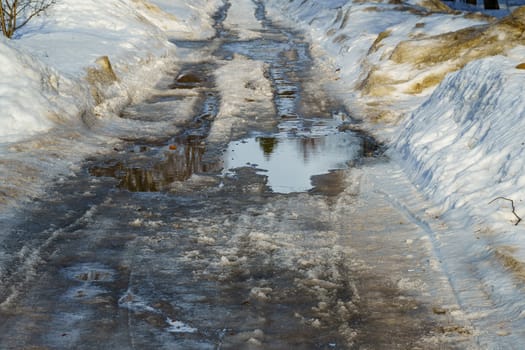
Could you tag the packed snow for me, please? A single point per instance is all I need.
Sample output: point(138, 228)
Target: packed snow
point(240, 79)
point(241, 19)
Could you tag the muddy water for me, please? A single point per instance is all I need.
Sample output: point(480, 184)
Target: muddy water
point(153, 247)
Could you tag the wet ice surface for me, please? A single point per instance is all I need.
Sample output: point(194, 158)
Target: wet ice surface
point(235, 267)
point(300, 150)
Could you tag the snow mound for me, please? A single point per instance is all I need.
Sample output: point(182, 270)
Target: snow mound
point(65, 44)
point(27, 90)
point(433, 57)
point(464, 145)
point(188, 20)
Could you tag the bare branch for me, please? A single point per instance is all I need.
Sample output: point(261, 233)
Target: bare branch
point(513, 208)
point(2, 21)
point(35, 12)
point(14, 14)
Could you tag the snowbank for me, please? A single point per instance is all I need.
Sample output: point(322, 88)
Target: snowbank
point(188, 20)
point(27, 88)
point(464, 146)
point(134, 35)
point(54, 52)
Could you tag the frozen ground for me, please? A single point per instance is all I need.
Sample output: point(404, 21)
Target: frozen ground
point(427, 237)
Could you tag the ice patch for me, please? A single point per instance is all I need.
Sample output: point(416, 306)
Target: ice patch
point(261, 294)
point(84, 292)
point(179, 327)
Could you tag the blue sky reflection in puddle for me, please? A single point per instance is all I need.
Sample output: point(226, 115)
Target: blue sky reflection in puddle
point(290, 162)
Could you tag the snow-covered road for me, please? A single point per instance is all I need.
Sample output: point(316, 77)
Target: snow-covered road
point(154, 245)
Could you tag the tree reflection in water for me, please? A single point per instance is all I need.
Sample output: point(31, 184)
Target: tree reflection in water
point(311, 146)
point(268, 145)
point(178, 165)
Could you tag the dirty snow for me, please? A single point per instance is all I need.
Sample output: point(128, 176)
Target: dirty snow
point(459, 132)
point(179, 327)
point(445, 142)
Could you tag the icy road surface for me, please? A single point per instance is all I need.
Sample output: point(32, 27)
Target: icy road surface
point(155, 246)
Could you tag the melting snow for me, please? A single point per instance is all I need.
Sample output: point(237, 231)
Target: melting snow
point(454, 117)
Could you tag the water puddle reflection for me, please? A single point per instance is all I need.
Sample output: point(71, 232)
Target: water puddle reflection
point(301, 150)
point(179, 162)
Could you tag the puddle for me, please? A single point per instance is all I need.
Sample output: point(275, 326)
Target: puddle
point(89, 272)
point(307, 152)
point(301, 150)
point(179, 162)
point(310, 148)
point(188, 80)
